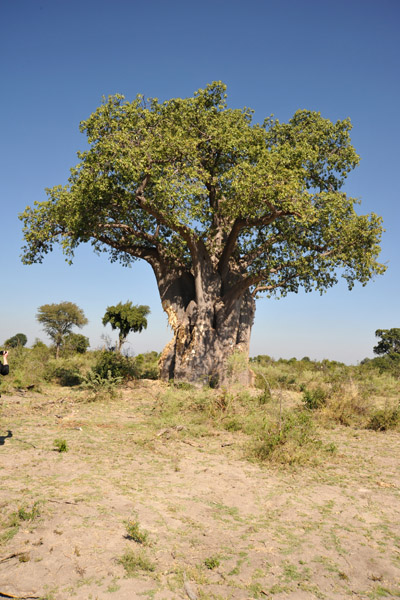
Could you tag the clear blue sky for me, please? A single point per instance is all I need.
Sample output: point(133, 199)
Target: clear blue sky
point(59, 57)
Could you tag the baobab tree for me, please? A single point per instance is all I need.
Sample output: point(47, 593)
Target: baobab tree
point(223, 209)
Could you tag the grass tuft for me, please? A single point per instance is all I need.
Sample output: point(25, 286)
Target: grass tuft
point(136, 561)
point(61, 445)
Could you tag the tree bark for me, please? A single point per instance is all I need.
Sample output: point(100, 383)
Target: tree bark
point(211, 339)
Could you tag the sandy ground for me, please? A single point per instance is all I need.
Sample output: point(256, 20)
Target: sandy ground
point(219, 527)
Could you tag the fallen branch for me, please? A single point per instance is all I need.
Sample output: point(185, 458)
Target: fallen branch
point(10, 557)
point(189, 589)
point(169, 429)
point(191, 444)
point(2, 595)
point(63, 502)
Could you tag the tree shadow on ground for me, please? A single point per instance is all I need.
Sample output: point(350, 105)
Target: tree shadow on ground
point(4, 437)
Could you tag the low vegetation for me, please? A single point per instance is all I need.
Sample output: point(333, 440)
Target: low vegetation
point(290, 401)
point(286, 488)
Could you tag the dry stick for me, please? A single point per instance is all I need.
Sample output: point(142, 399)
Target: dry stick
point(2, 595)
point(191, 444)
point(63, 502)
point(12, 556)
point(189, 589)
point(266, 383)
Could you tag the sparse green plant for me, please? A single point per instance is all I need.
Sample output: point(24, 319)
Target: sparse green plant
point(136, 561)
point(255, 589)
point(12, 524)
point(61, 445)
point(181, 385)
point(101, 388)
point(24, 557)
point(133, 532)
point(290, 440)
point(28, 515)
point(114, 586)
point(212, 562)
point(233, 424)
point(237, 364)
point(266, 396)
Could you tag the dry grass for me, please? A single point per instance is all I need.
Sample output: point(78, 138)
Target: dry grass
point(173, 462)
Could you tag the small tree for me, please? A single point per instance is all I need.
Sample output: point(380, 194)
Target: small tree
point(389, 344)
point(17, 340)
point(126, 317)
point(58, 320)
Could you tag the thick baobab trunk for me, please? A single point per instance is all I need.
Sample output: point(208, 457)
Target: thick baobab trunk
point(211, 341)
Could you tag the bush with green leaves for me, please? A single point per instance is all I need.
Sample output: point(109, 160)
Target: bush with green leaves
point(135, 533)
point(314, 399)
point(147, 365)
point(27, 368)
point(289, 438)
point(61, 445)
point(101, 388)
point(389, 364)
point(116, 364)
point(64, 374)
point(384, 419)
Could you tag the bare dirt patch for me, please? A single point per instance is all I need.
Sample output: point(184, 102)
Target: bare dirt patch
point(218, 526)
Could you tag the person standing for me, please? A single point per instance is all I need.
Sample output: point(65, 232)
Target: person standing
point(4, 368)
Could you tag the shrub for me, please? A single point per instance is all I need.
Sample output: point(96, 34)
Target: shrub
point(134, 562)
point(61, 445)
point(27, 367)
point(384, 419)
point(347, 404)
point(233, 424)
point(65, 376)
point(314, 399)
point(133, 532)
point(291, 439)
point(384, 364)
point(114, 364)
point(101, 388)
point(147, 365)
